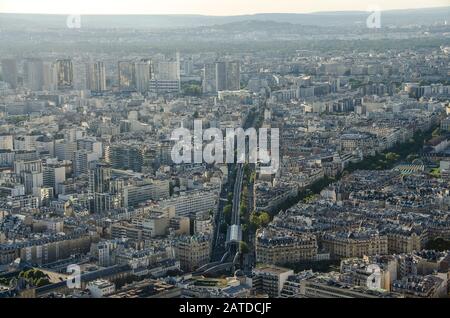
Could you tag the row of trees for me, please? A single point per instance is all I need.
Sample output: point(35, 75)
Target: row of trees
point(259, 219)
point(244, 212)
point(407, 151)
point(35, 277)
point(305, 195)
point(191, 89)
point(400, 152)
point(438, 244)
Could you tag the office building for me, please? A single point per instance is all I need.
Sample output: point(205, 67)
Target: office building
point(355, 244)
point(233, 76)
point(269, 279)
point(166, 78)
point(54, 174)
point(99, 178)
point(100, 288)
point(283, 247)
point(96, 77)
point(34, 74)
point(193, 251)
point(126, 157)
point(209, 78)
point(194, 204)
point(221, 76)
point(9, 72)
point(127, 76)
point(50, 76)
point(143, 75)
point(64, 69)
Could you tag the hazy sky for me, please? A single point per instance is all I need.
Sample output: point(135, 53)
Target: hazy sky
point(207, 7)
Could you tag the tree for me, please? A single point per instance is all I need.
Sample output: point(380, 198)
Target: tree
point(246, 169)
point(436, 172)
point(227, 209)
point(310, 198)
point(392, 156)
point(35, 277)
point(438, 244)
point(223, 228)
point(243, 209)
point(171, 188)
point(227, 213)
point(243, 247)
point(192, 90)
point(16, 119)
point(255, 221)
point(42, 282)
point(264, 218)
point(253, 177)
point(244, 228)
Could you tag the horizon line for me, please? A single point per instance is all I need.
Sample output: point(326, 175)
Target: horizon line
point(215, 15)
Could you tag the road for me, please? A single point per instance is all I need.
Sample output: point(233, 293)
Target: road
point(226, 252)
point(219, 238)
point(235, 219)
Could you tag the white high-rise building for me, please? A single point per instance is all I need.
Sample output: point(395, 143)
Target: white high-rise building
point(64, 150)
point(65, 74)
point(127, 76)
point(91, 144)
point(54, 174)
point(167, 78)
point(81, 161)
point(32, 181)
point(50, 79)
point(143, 75)
point(209, 78)
point(96, 76)
point(79, 76)
point(34, 74)
point(221, 76)
point(233, 76)
point(9, 72)
point(6, 142)
point(195, 204)
point(169, 71)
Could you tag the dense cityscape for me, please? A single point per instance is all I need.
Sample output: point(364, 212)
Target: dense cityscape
point(93, 204)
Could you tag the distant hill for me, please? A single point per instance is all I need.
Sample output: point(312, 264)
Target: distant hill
point(396, 17)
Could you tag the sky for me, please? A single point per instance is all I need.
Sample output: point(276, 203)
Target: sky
point(206, 7)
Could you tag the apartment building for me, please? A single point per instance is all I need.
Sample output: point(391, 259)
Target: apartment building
point(192, 251)
point(355, 244)
point(282, 247)
point(269, 279)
